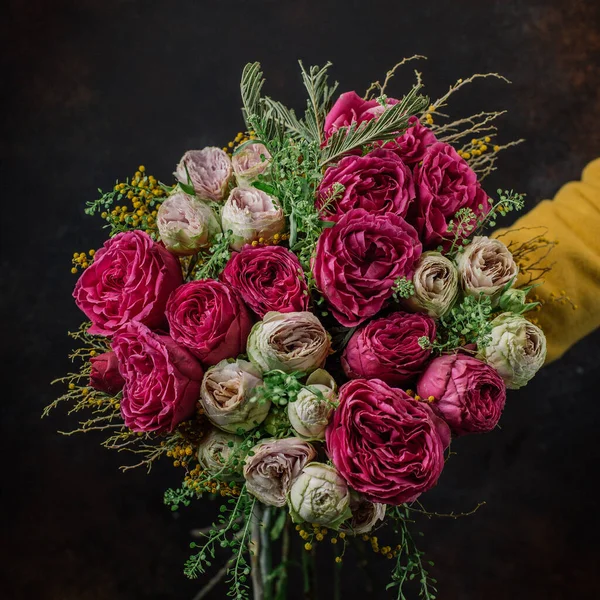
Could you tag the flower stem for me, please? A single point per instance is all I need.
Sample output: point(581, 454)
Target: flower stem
point(265, 553)
point(310, 575)
point(257, 581)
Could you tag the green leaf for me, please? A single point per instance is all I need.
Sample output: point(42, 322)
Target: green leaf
point(278, 525)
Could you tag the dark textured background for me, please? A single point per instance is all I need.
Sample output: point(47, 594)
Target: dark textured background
point(95, 87)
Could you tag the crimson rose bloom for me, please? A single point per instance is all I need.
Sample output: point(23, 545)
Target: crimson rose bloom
point(130, 280)
point(359, 258)
point(468, 393)
point(384, 443)
point(379, 182)
point(105, 376)
point(162, 379)
point(269, 278)
point(444, 184)
point(210, 319)
point(349, 108)
point(411, 145)
point(388, 348)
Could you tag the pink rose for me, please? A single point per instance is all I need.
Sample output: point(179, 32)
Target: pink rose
point(269, 278)
point(130, 280)
point(210, 319)
point(349, 108)
point(379, 182)
point(468, 394)
point(209, 171)
point(411, 145)
point(444, 183)
point(359, 258)
point(162, 379)
point(384, 443)
point(105, 376)
point(388, 348)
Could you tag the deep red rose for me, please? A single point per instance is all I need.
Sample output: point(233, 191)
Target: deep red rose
point(269, 278)
point(413, 143)
point(359, 258)
point(105, 376)
point(379, 182)
point(210, 319)
point(468, 393)
point(388, 348)
point(444, 184)
point(130, 280)
point(162, 379)
point(349, 108)
point(385, 444)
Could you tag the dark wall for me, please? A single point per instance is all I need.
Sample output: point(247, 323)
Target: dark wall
point(95, 87)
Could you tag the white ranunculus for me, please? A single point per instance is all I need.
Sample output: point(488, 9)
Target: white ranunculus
point(486, 267)
point(217, 454)
point(320, 495)
point(273, 465)
point(309, 413)
point(365, 515)
point(186, 224)
point(517, 349)
point(209, 171)
point(251, 214)
point(226, 395)
point(250, 161)
point(436, 285)
point(294, 341)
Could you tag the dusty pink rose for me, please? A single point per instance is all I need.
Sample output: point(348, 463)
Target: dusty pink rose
point(269, 278)
point(444, 184)
point(379, 182)
point(208, 171)
point(130, 280)
point(384, 443)
point(162, 379)
point(210, 319)
point(349, 108)
point(467, 393)
point(411, 145)
point(359, 258)
point(105, 376)
point(388, 348)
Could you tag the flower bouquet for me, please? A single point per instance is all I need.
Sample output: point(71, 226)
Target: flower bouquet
point(303, 320)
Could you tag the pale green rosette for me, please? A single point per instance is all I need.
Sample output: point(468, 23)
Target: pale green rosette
point(309, 413)
point(320, 495)
point(217, 452)
point(517, 349)
point(288, 342)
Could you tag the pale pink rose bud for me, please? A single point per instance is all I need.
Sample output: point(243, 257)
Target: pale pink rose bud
point(209, 171)
point(250, 161)
point(365, 515)
point(251, 214)
point(486, 267)
point(186, 224)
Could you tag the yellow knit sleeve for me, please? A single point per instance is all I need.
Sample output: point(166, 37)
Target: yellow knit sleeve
point(573, 220)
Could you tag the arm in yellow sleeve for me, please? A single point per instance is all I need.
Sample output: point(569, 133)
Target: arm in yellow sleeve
point(572, 219)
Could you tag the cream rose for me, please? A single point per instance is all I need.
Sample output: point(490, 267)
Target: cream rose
point(217, 454)
point(250, 161)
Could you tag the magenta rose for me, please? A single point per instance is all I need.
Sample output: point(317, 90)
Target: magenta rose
point(105, 376)
point(210, 319)
point(411, 145)
point(444, 184)
point(467, 393)
point(385, 444)
point(349, 108)
point(379, 182)
point(162, 379)
point(269, 278)
point(130, 280)
point(359, 258)
point(388, 348)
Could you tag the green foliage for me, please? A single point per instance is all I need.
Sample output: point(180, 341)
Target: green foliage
point(403, 288)
point(210, 264)
point(232, 531)
point(410, 564)
point(468, 322)
point(175, 497)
